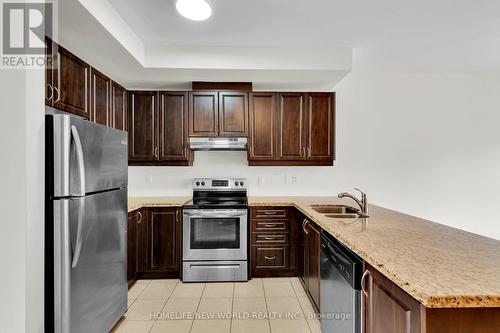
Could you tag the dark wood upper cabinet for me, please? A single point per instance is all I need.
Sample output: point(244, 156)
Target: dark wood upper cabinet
point(388, 308)
point(233, 113)
point(100, 98)
point(173, 123)
point(142, 143)
point(164, 238)
point(119, 106)
point(49, 88)
point(70, 82)
point(203, 114)
point(290, 126)
point(320, 126)
point(262, 138)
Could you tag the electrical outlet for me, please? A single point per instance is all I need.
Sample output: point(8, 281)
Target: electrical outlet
point(149, 180)
point(285, 179)
point(261, 180)
point(294, 179)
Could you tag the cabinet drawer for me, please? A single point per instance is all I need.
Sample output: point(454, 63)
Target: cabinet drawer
point(270, 225)
point(270, 257)
point(269, 212)
point(269, 238)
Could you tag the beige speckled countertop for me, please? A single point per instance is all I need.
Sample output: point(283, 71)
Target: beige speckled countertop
point(139, 202)
point(440, 266)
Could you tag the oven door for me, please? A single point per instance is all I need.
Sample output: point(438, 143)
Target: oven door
point(215, 234)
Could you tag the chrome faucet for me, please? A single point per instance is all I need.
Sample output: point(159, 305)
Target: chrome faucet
point(363, 203)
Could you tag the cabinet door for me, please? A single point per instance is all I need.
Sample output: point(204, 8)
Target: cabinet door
point(320, 126)
point(291, 119)
point(301, 250)
point(49, 90)
point(203, 114)
point(164, 240)
point(134, 219)
point(142, 143)
point(173, 126)
point(313, 259)
point(119, 106)
point(233, 114)
point(100, 97)
point(388, 308)
point(262, 142)
point(71, 83)
point(142, 241)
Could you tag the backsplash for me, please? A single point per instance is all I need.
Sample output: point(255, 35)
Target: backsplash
point(172, 181)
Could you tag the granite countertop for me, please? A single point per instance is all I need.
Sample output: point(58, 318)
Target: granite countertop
point(440, 266)
point(139, 202)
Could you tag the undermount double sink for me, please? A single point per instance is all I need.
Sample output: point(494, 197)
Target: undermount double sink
point(338, 211)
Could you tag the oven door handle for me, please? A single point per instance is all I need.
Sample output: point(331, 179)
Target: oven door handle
point(208, 215)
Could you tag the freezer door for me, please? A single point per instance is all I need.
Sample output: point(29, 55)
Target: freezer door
point(90, 262)
point(86, 155)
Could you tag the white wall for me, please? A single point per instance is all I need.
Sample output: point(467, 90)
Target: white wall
point(425, 144)
point(21, 200)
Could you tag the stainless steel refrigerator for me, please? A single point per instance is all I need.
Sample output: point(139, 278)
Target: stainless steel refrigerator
point(85, 225)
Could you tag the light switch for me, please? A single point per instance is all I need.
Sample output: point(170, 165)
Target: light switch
point(261, 180)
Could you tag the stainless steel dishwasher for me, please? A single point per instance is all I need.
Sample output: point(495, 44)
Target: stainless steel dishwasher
point(340, 299)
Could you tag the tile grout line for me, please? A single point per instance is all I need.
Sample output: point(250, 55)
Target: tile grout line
point(196, 311)
point(267, 308)
point(163, 307)
point(302, 308)
point(232, 308)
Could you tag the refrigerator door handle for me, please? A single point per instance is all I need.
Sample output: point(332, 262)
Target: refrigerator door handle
point(80, 160)
point(78, 243)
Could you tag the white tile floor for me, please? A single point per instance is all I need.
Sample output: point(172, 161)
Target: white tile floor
point(274, 305)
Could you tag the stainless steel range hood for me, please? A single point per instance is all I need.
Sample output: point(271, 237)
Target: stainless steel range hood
point(218, 143)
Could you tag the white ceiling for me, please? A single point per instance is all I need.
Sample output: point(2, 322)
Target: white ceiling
point(280, 44)
point(399, 35)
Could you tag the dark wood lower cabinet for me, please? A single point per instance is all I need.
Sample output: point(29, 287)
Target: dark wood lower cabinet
point(164, 240)
point(160, 244)
point(388, 308)
point(272, 242)
point(310, 256)
point(154, 244)
point(135, 218)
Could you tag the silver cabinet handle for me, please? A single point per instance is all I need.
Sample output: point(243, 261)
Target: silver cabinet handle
point(270, 225)
point(365, 274)
point(269, 237)
point(270, 258)
point(272, 212)
point(58, 94)
point(140, 217)
point(59, 79)
point(304, 226)
point(156, 152)
point(80, 160)
point(51, 92)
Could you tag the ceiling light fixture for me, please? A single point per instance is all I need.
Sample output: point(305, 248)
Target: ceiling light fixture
point(196, 10)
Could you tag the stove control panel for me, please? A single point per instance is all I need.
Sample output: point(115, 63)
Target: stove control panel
point(220, 184)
